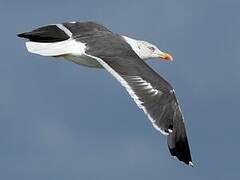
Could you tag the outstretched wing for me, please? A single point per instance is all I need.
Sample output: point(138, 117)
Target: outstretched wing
point(151, 92)
point(155, 96)
point(60, 32)
point(64, 39)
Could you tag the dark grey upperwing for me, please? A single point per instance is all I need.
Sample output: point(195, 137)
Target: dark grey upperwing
point(155, 96)
point(85, 29)
point(49, 33)
point(60, 32)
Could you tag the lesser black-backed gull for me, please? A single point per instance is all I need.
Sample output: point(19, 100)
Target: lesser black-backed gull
point(93, 45)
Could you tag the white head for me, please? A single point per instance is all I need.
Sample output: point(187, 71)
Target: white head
point(146, 50)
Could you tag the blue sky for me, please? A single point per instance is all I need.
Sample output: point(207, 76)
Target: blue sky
point(62, 121)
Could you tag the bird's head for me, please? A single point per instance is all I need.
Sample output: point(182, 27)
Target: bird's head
point(147, 50)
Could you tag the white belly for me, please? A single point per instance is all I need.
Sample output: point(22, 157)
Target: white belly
point(84, 60)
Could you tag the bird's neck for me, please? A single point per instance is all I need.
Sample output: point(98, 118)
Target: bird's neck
point(134, 45)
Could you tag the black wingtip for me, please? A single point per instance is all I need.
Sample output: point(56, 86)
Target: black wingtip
point(27, 35)
point(21, 35)
point(178, 142)
point(182, 155)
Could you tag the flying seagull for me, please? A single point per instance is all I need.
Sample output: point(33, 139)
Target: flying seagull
point(93, 45)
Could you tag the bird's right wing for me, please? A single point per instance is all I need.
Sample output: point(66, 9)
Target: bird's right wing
point(155, 96)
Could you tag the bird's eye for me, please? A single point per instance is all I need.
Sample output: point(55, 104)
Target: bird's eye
point(151, 48)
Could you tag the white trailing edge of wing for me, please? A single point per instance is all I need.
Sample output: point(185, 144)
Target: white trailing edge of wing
point(129, 90)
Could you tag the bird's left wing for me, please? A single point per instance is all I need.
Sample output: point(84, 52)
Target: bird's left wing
point(155, 96)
